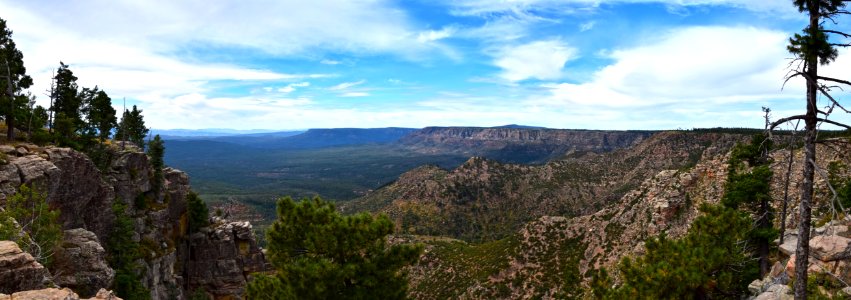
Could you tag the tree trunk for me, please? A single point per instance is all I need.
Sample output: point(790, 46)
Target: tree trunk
point(10, 123)
point(802, 252)
point(786, 191)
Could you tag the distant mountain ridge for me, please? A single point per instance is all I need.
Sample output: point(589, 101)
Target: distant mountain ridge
point(519, 144)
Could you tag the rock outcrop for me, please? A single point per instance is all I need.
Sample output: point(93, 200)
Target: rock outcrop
point(222, 257)
point(57, 294)
point(471, 202)
point(19, 271)
point(80, 263)
point(85, 195)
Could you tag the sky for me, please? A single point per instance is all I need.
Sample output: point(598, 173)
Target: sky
point(279, 65)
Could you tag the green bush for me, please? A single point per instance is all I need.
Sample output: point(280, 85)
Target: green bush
point(199, 214)
point(29, 221)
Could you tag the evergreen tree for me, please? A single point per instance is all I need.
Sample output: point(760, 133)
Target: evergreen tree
point(100, 115)
point(67, 103)
point(123, 253)
point(708, 263)
point(132, 127)
point(320, 254)
point(749, 188)
point(13, 79)
point(199, 214)
point(156, 150)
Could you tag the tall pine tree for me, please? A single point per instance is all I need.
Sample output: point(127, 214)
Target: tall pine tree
point(132, 127)
point(13, 79)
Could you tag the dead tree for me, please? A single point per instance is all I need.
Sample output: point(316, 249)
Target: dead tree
point(813, 48)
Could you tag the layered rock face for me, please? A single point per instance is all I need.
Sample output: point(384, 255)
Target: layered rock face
point(19, 270)
point(527, 144)
point(85, 196)
point(80, 263)
point(221, 258)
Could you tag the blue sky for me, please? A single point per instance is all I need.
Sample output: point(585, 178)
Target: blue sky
point(594, 64)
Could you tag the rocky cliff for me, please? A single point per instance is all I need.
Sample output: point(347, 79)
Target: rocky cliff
point(520, 145)
point(486, 200)
point(549, 256)
point(85, 196)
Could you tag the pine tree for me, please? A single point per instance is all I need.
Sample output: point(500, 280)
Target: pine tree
point(199, 214)
point(132, 127)
point(749, 188)
point(13, 79)
point(156, 150)
point(100, 115)
point(123, 253)
point(67, 103)
point(707, 263)
point(320, 254)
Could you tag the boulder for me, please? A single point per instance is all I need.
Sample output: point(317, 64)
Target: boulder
point(19, 271)
point(57, 294)
point(776, 292)
point(80, 263)
point(830, 247)
point(790, 243)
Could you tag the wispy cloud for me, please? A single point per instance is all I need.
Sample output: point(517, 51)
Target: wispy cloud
point(587, 26)
point(330, 62)
point(346, 85)
point(292, 87)
point(355, 94)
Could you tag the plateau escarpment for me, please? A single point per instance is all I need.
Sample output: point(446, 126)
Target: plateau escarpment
point(486, 200)
point(522, 145)
point(86, 196)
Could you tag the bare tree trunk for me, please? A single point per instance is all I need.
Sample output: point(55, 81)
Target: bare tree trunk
point(802, 251)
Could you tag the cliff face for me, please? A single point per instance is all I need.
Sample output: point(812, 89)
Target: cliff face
point(550, 256)
point(486, 200)
point(518, 144)
point(85, 196)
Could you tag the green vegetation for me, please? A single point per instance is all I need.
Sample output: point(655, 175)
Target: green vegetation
point(132, 127)
point(749, 188)
point(707, 263)
point(478, 262)
point(27, 220)
point(320, 254)
point(123, 253)
point(199, 214)
point(18, 110)
point(155, 155)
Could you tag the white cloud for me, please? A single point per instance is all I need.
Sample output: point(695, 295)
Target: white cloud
point(292, 87)
point(690, 67)
point(587, 25)
point(355, 94)
point(432, 35)
point(346, 85)
point(489, 7)
point(542, 60)
point(330, 62)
